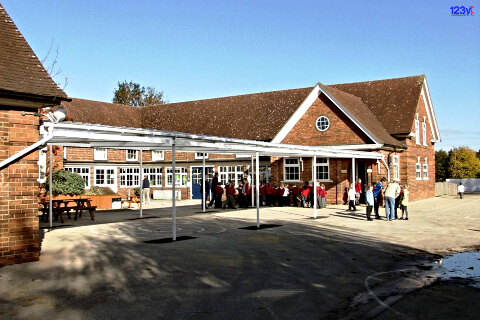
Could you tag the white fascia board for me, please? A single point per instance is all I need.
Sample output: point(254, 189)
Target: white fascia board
point(306, 104)
point(430, 112)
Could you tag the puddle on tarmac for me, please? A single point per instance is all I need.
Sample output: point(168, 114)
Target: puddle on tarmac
point(465, 265)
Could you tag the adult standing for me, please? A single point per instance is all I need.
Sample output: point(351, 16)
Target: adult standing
point(391, 193)
point(214, 185)
point(461, 190)
point(146, 190)
point(378, 196)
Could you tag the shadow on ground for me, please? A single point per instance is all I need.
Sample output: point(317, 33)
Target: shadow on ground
point(125, 271)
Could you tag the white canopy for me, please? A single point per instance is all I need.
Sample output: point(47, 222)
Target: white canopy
point(100, 136)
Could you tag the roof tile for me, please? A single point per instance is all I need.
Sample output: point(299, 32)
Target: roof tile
point(20, 69)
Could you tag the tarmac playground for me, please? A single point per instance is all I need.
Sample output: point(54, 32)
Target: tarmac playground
point(338, 266)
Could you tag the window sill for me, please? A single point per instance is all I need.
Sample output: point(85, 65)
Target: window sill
point(418, 179)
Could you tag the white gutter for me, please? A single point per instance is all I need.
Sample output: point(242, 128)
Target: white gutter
point(17, 156)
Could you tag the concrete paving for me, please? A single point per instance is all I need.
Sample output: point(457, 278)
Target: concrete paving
point(338, 266)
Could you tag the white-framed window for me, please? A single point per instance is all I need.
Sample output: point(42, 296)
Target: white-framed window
point(129, 177)
point(199, 155)
point(64, 153)
point(104, 176)
point(425, 169)
point(264, 173)
point(158, 155)
point(234, 173)
point(291, 169)
point(84, 172)
point(396, 167)
point(322, 123)
point(424, 133)
point(181, 177)
point(323, 169)
point(155, 176)
point(418, 169)
point(100, 154)
point(417, 131)
point(132, 155)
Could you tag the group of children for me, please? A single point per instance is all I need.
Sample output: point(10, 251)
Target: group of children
point(283, 195)
point(374, 198)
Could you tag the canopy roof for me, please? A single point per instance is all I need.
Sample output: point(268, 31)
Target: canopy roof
point(101, 136)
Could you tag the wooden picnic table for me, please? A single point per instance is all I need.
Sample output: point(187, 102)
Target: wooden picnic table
point(60, 206)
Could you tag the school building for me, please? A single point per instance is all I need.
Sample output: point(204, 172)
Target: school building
point(394, 117)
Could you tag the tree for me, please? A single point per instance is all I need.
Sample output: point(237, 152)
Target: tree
point(463, 163)
point(442, 161)
point(133, 94)
point(50, 65)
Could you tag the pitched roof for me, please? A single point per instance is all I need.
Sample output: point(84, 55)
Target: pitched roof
point(89, 111)
point(361, 113)
point(392, 101)
point(256, 116)
point(261, 116)
point(21, 72)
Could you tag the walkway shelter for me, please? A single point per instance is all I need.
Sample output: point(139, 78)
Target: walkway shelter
point(70, 134)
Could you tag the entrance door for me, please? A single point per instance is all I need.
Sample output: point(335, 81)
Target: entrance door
point(197, 173)
point(361, 171)
point(106, 177)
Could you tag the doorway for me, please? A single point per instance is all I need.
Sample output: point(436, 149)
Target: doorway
point(197, 173)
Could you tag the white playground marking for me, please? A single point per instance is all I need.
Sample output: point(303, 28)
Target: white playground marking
point(149, 229)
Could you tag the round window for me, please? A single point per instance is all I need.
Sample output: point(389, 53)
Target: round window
point(322, 123)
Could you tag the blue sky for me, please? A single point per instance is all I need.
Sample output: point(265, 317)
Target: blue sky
point(203, 48)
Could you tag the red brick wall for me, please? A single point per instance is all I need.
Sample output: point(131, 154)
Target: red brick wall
point(117, 158)
point(341, 131)
point(335, 187)
point(19, 241)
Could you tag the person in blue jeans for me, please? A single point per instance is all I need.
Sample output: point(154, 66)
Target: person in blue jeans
point(391, 193)
point(377, 190)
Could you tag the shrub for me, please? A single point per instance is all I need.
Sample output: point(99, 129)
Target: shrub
point(137, 191)
point(66, 183)
point(99, 191)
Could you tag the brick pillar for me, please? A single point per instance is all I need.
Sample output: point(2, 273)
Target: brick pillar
point(19, 240)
